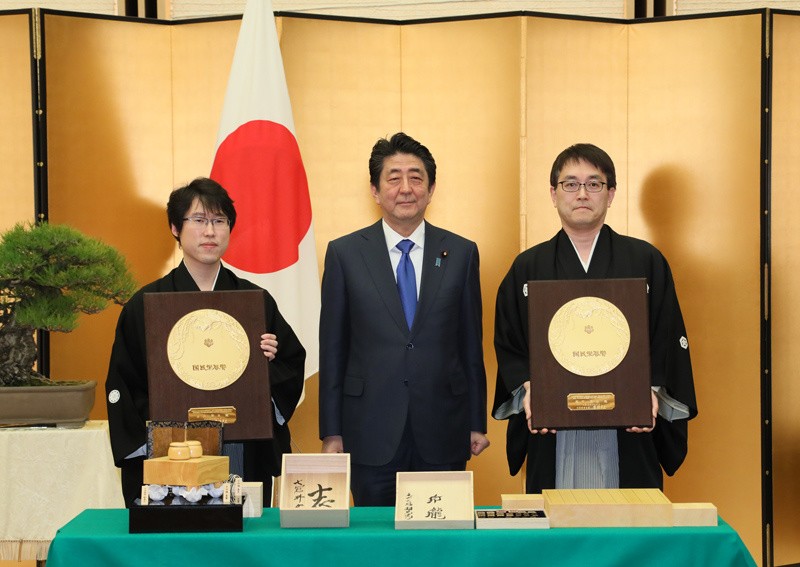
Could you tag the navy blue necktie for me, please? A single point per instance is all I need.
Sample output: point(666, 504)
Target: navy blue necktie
point(407, 281)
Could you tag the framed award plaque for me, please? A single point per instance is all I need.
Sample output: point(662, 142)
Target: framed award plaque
point(589, 353)
point(204, 360)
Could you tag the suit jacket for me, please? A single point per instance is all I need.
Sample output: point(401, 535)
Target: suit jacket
point(376, 373)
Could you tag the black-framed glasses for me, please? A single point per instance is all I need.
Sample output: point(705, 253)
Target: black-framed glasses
point(592, 186)
point(200, 223)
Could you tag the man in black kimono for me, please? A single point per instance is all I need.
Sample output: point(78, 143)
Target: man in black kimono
point(582, 187)
point(201, 216)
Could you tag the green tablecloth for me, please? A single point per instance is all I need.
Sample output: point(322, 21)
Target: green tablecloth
point(101, 538)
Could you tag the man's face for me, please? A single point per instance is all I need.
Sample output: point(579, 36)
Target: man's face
point(581, 210)
point(404, 192)
point(202, 243)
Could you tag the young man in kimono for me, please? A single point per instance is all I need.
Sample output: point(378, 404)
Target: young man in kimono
point(201, 217)
point(582, 188)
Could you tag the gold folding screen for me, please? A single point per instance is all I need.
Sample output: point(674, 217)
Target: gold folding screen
point(785, 245)
point(133, 110)
point(16, 111)
point(694, 189)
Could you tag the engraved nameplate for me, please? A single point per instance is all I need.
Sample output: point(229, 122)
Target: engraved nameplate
point(597, 401)
point(223, 414)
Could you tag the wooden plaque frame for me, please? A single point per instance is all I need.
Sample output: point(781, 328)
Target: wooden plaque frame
point(552, 384)
point(171, 398)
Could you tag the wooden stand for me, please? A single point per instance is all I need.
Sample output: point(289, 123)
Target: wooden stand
point(170, 518)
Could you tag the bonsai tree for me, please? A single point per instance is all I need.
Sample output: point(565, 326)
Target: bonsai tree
point(49, 274)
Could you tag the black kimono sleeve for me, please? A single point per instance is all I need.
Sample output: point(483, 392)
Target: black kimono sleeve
point(126, 383)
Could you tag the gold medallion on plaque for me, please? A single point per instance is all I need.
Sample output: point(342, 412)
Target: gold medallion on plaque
point(208, 349)
point(589, 336)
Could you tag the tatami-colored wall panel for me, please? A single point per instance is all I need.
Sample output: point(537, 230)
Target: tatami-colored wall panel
point(110, 159)
point(694, 143)
point(784, 269)
point(16, 117)
point(576, 84)
point(461, 98)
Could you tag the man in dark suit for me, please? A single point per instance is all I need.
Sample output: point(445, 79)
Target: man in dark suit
point(402, 380)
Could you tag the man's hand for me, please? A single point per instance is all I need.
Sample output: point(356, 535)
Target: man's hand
point(269, 344)
point(478, 442)
point(526, 403)
point(333, 444)
point(654, 401)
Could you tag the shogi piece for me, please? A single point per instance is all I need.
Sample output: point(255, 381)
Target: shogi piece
point(191, 472)
point(511, 520)
point(694, 514)
point(315, 490)
point(598, 508)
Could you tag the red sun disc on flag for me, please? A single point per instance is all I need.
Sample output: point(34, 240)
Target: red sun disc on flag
point(259, 164)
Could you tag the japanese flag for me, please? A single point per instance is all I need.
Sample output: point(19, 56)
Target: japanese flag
point(258, 161)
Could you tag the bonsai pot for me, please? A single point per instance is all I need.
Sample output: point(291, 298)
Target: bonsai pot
point(66, 404)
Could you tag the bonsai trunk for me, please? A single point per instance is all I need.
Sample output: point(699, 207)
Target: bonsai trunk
point(17, 357)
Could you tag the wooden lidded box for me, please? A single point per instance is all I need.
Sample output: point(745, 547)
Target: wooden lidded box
point(315, 490)
point(437, 500)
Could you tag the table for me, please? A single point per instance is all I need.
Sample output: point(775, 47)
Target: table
point(100, 538)
point(47, 476)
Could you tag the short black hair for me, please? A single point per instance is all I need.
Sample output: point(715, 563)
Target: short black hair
point(212, 195)
point(400, 143)
point(590, 154)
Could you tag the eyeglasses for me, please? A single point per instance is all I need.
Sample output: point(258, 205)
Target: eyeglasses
point(200, 223)
point(592, 186)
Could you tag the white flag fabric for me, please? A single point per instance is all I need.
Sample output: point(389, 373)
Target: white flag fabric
point(258, 161)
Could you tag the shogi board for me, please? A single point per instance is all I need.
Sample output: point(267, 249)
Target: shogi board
point(624, 507)
point(315, 490)
point(191, 472)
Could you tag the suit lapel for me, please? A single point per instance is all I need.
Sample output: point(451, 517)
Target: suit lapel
point(379, 267)
point(434, 266)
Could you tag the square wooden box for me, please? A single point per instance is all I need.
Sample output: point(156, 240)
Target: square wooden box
point(522, 501)
point(315, 490)
point(440, 500)
point(694, 514)
point(598, 508)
